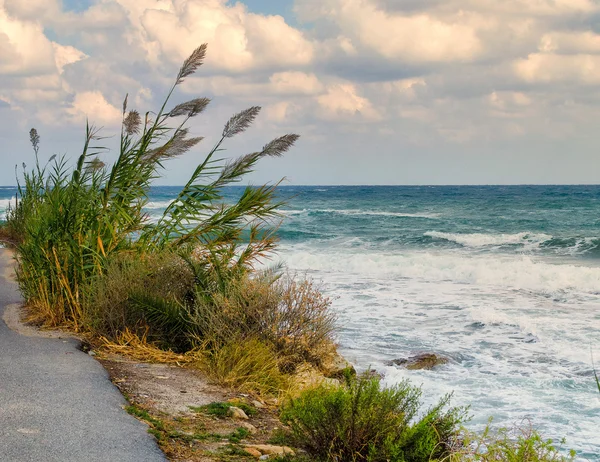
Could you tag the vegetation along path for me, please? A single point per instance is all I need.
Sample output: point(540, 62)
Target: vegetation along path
point(57, 403)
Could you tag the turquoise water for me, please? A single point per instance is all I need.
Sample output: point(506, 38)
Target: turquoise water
point(503, 280)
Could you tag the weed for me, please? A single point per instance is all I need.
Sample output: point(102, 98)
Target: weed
point(73, 221)
point(281, 437)
point(248, 365)
point(238, 435)
point(220, 410)
point(142, 414)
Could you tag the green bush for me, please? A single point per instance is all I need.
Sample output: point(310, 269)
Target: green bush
point(362, 421)
point(113, 298)
point(518, 444)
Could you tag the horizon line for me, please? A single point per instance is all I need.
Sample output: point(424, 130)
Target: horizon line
point(379, 185)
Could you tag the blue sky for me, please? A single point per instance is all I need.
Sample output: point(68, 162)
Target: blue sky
point(382, 91)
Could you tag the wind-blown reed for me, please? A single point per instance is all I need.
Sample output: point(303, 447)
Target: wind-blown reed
point(72, 220)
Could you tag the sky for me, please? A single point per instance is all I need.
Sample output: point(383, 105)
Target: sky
point(381, 91)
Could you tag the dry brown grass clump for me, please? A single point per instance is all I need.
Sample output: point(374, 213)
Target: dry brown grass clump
point(293, 317)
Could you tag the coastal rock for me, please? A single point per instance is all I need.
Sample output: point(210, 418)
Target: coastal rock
point(425, 361)
point(335, 366)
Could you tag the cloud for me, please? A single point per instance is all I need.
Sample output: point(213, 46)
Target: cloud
point(93, 106)
point(419, 74)
point(239, 41)
point(342, 101)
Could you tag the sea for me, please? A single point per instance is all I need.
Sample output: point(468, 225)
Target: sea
point(502, 280)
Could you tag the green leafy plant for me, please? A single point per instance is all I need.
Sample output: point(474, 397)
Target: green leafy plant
point(363, 421)
point(517, 444)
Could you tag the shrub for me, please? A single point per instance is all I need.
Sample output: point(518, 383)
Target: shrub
point(363, 422)
point(112, 299)
point(518, 444)
point(293, 317)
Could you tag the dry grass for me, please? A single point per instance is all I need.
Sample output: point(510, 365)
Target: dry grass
point(250, 366)
point(293, 317)
point(137, 347)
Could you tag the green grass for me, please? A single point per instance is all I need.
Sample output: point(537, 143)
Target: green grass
point(221, 409)
point(157, 424)
point(238, 435)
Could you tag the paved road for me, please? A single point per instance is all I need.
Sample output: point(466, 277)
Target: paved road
point(57, 403)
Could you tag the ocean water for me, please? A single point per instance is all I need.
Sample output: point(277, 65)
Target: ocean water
point(503, 280)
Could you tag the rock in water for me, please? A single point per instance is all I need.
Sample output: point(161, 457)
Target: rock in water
point(425, 361)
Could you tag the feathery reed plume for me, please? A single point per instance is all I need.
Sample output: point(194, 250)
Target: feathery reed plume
point(176, 146)
point(132, 123)
point(35, 140)
point(281, 145)
point(192, 63)
point(191, 108)
point(240, 121)
point(94, 165)
point(125, 103)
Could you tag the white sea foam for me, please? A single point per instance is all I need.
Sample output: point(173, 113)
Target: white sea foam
point(157, 205)
point(486, 240)
point(515, 351)
point(4, 204)
point(516, 272)
point(356, 212)
point(293, 212)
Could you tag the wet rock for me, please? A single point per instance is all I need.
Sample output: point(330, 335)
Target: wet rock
point(425, 361)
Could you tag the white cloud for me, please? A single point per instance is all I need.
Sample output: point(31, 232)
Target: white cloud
point(554, 68)
point(24, 49)
point(65, 55)
point(93, 106)
point(429, 73)
point(342, 101)
point(239, 40)
point(295, 83)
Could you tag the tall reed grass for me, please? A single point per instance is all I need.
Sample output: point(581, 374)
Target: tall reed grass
point(71, 220)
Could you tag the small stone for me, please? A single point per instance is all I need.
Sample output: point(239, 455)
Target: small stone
point(270, 449)
point(265, 457)
point(331, 382)
point(237, 413)
point(257, 404)
point(253, 452)
point(248, 426)
point(92, 353)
